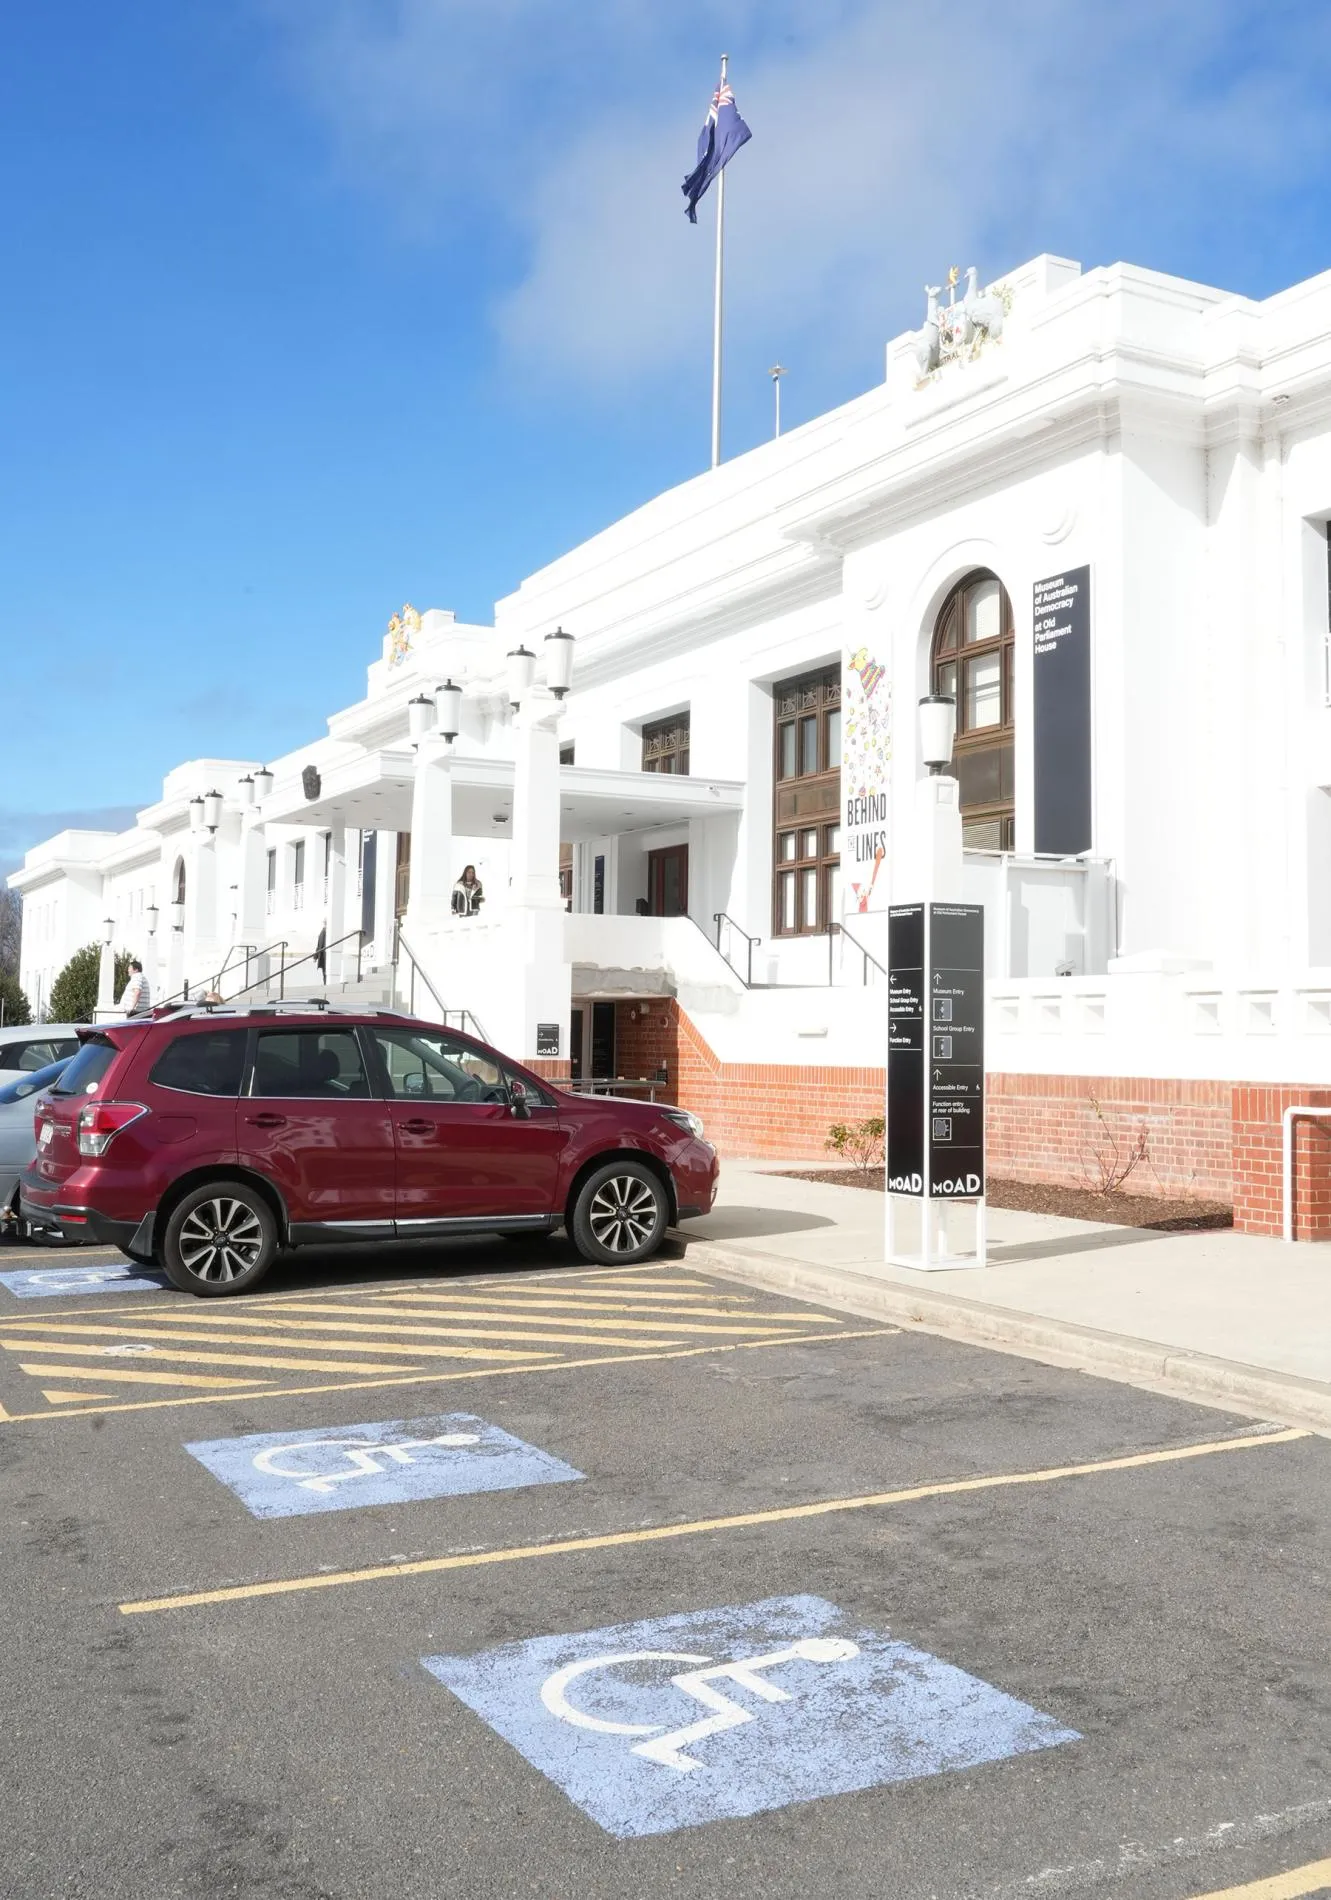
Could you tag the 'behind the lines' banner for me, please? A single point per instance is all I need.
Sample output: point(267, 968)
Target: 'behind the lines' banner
point(866, 762)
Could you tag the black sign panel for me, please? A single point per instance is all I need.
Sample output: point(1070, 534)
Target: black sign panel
point(905, 1049)
point(547, 1039)
point(956, 1051)
point(1062, 672)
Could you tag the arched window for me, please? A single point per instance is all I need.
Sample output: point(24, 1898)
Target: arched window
point(972, 663)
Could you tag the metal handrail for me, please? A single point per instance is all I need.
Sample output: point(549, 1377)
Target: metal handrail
point(720, 917)
point(284, 968)
point(868, 955)
point(402, 942)
point(613, 1085)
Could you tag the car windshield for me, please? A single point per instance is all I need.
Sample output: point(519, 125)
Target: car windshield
point(19, 1090)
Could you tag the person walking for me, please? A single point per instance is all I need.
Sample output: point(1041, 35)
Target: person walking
point(468, 894)
point(137, 997)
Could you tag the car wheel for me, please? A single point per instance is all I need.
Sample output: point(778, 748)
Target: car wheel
point(220, 1239)
point(621, 1214)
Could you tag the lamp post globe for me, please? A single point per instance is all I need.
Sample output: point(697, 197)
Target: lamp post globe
point(938, 725)
point(559, 661)
point(520, 664)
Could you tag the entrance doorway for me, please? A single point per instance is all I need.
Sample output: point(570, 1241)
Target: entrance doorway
point(668, 881)
point(603, 1041)
point(402, 875)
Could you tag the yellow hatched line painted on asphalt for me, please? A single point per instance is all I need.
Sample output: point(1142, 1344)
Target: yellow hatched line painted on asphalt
point(72, 1398)
point(376, 1334)
point(572, 1303)
point(270, 1391)
point(252, 1386)
point(758, 1324)
point(743, 1520)
point(238, 1334)
point(1297, 1884)
point(268, 1362)
point(594, 1325)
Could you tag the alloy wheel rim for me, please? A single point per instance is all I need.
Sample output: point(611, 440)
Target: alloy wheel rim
point(220, 1239)
point(623, 1214)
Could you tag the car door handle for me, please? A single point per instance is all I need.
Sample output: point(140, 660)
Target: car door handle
point(267, 1121)
point(416, 1126)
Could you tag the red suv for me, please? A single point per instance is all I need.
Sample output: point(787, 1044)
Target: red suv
point(205, 1140)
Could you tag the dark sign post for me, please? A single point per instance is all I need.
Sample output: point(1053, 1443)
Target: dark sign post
point(904, 1145)
point(547, 1039)
point(934, 1146)
point(1062, 690)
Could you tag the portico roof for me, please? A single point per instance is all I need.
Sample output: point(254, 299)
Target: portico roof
point(373, 793)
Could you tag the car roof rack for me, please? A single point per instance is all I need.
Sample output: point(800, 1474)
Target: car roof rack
point(307, 1006)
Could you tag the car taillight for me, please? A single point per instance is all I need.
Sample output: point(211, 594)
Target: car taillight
point(101, 1122)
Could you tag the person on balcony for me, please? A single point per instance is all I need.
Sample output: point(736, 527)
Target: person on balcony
point(468, 895)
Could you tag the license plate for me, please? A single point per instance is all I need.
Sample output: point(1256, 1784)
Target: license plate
point(44, 1139)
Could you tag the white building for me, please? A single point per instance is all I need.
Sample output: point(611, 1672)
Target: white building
point(1103, 531)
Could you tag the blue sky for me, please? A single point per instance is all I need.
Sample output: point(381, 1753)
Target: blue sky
point(315, 306)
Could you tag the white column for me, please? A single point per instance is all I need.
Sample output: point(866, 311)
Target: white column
point(534, 864)
point(429, 897)
point(536, 982)
point(106, 977)
point(385, 897)
point(935, 874)
point(336, 921)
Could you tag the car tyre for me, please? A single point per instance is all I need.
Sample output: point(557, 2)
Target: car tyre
point(621, 1214)
point(221, 1239)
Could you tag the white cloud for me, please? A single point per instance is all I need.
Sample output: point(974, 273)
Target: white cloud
point(888, 142)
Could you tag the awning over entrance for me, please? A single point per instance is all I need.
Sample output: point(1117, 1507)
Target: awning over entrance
point(373, 793)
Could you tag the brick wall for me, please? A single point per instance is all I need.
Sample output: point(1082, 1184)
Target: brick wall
point(1214, 1141)
point(1257, 1115)
point(1045, 1128)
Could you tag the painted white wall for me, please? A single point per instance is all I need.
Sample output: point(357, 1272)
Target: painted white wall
point(1173, 437)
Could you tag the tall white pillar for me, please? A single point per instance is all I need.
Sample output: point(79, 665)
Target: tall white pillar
point(537, 980)
point(336, 921)
point(534, 862)
point(935, 874)
point(429, 899)
point(106, 978)
point(385, 897)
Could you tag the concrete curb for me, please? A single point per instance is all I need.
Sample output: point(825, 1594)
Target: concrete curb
point(1191, 1375)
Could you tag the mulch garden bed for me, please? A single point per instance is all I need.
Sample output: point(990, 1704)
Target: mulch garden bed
point(1030, 1197)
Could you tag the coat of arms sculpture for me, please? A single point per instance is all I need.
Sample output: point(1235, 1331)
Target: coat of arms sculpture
point(956, 332)
point(402, 630)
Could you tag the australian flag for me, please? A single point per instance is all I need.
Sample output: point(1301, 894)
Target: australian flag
point(722, 135)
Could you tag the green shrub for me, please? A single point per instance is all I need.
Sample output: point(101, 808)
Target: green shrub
point(860, 1142)
point(13, 1003)
point(74, 992)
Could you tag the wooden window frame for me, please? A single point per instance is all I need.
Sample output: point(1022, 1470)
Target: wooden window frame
point(804, 802)
point(665, 745)
point(948, 649)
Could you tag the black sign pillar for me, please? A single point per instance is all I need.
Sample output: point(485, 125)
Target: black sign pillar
point(1062, 703)
point(934, 1147)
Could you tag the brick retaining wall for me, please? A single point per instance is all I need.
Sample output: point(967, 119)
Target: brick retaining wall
point(1216, 1141)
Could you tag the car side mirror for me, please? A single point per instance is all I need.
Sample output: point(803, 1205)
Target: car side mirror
point(517, 1101)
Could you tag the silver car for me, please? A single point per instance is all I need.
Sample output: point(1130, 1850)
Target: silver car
point(18, 1138)
point(30, 1046)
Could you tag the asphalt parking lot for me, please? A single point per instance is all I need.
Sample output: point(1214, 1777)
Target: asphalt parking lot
point(487, 1573)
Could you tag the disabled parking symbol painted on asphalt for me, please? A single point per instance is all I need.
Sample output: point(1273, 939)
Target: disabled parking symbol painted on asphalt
point(394, 1461)
point(45, 1283)
point(659, 1725)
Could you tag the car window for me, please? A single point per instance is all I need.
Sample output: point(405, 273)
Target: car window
point(311, 1063)
point(25, 1085)
point(202, 1064)
point(85, 1072)
point(429, 1066)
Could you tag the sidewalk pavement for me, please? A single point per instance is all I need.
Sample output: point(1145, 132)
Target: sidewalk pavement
point(1229, 1319)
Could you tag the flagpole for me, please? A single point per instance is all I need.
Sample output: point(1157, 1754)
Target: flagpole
point(716, 312)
